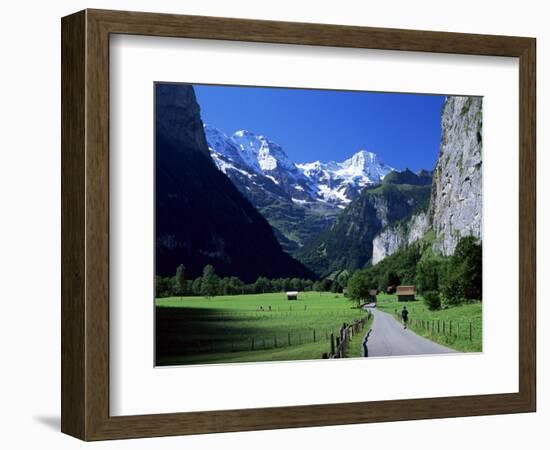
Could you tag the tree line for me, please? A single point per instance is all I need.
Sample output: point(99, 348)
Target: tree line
point(211, 285)
point(451, 280)
point(439, 279)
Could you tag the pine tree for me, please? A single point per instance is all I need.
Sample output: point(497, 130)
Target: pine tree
point(209, 282)
point(179, 281)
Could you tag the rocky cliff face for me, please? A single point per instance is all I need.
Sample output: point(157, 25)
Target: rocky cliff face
point(455, 205)
point(180, 121)
point(201, 217)
point(399, 235)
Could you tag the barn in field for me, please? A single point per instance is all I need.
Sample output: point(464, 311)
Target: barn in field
point(405, 293)
point(292, 295)
point(372, 295)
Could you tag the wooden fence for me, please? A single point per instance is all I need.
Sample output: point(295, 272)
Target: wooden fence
point(339, 343)
point(449, 328)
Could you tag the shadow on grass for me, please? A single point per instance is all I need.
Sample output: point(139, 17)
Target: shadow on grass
point(190, 332)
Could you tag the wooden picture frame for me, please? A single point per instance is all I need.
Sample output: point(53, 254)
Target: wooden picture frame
point(85, 224)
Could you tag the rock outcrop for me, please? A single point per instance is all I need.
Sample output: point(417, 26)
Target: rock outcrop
point(456, 201)
point(399, 236)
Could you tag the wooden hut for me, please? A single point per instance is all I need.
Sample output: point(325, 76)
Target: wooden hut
point(292, 295)
point(405, 293)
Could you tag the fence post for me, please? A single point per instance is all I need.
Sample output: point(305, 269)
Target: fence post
point(443, 328)
point(458, 329)
point(289, 339)
point(275, 341)
point(450, 327)
point(470, 331)
point(252, 343)
point(314, 336)
point(332, 348)
point(438, 331)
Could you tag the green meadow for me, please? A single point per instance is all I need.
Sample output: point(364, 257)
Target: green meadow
point(458, 327)
point(246, 328)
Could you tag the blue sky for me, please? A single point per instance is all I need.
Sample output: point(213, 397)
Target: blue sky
point(402, 129)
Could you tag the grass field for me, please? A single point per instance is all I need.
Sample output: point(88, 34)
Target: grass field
point(454, 322)
point(245, 328)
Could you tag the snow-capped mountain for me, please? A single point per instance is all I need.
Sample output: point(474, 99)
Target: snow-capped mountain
point(258, 162)
point(340, 183)
point(298, 200)
point(247, 157)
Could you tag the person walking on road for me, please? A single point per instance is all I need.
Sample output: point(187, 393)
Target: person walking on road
point(405, 317)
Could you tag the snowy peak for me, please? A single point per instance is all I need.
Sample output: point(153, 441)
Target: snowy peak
point(334, 183)
point(366, 164)
point(341, 182)
point(260, 152)
point(360, 161)
point(221, 144)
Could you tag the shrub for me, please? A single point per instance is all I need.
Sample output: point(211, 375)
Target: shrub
point(462, 280)
point(427, 274)
point(467, 260)
point(453, 290)
point(432, 300)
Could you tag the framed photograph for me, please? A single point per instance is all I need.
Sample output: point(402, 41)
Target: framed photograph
point(272, 225)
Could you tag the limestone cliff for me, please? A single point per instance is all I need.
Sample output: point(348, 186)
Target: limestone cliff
point(455, 203)
point(456, 200)
point(399, 236)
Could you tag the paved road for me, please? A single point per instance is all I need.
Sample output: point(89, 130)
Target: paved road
point(388, 338)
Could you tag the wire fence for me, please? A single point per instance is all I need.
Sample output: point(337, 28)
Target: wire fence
point(244, 343)
point(173, 341)
point(438, 327)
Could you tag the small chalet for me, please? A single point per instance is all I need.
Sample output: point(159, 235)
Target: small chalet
point(405, 293)
point(292, 295)
point(372, 295)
